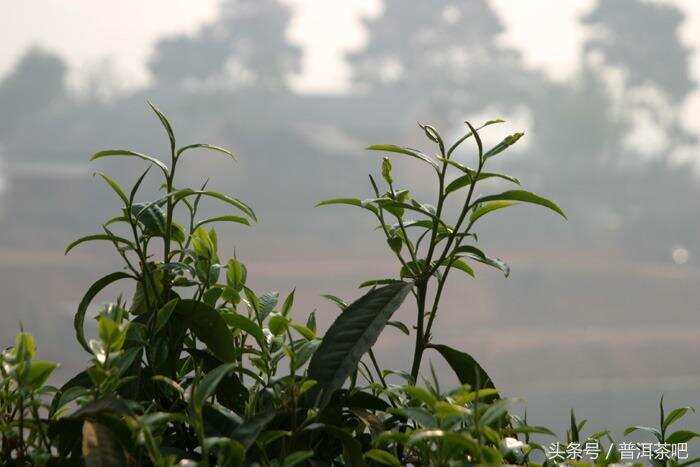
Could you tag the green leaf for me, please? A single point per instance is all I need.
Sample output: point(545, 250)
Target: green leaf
point(478, 255)
point(89, 238)
point(462, 266)
point(352, 334)
point(185, 193)
point(100, 447)
point(418, 414)
point(288, 303)
point(166, 124)
point(382, 457)
point(674, 416)
point(307, 333)
point(374, 282)
point(209, 327)
point(484, 208)
point(163, 315)
point(503, 145)
point(402, 150)
point(247, 432)
point(115, 186)
point(206, 146)
point(682, 436)
point(400, 326)
point(296, 458)
point(237, 321)
point(524, 196)
point(468, 179)
point(39, 372)
point(79, 319)
point(236, 219)
point(338, 301)
point(208, 384)
point(464, 366)
point(278, 324)
point(127, 153)
point(349, 201)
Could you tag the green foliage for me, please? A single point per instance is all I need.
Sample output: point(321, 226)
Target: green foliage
point(199, 368)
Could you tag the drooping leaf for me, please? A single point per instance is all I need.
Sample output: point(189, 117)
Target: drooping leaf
point(89, 238)
point(375, 282)
point(349, 201)
point(208, 384)
point(127, 153)
point(457, 263)
point(185, 193)
point(400, 326)
point(468, 179)
point(206, 146)
point(79, 319)
point(465, 367)
point(209, 327)
point(352, 334)
point(478, 255)
point(524, 196)
point(402, 150)
point(484, 208)
point(243, 323)
point(236, 219)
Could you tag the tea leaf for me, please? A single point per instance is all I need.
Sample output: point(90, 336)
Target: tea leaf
point(89, 238)
point(79, 319)
point(468, 179)
point(401, 150)
point(352, 334)
point(236, 219)
point(127, 153)
point(674, 416)
point(382, 457)
point(484, 208)
point(209, 327)
point(464, 366)
point(524, 196)
point(166, 124)
point(348, 201)
point(206, 146)
point(115, 186)
point(207, 385)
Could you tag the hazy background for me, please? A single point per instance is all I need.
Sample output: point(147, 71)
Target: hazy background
point(600, 312)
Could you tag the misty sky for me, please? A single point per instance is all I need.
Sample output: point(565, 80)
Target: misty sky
point(88, 32)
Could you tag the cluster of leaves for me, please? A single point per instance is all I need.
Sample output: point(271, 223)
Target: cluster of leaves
point(200, 369)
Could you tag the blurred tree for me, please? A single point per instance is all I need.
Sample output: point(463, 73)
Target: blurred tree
point(441, 53)
point(245, 45)
point(33, 86)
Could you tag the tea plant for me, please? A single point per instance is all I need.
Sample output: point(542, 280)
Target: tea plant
point(198, 368)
